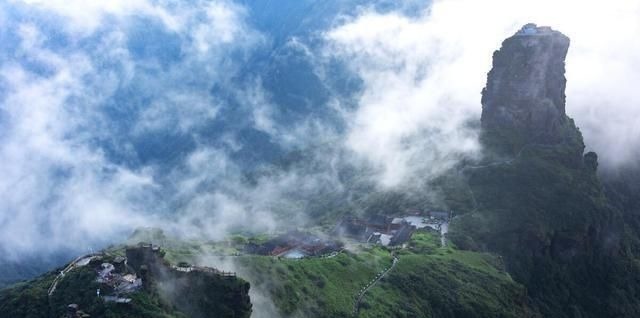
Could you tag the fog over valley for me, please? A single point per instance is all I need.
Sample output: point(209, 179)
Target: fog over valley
point(213, 118)
point(117, 114)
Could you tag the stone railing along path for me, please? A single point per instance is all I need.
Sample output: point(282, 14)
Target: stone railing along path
point(358, 298)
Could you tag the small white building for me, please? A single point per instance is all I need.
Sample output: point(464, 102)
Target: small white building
point(528, 29)
point(105, 271)
point(385, 239)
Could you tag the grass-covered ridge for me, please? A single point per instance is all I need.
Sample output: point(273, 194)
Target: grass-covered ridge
point(434, 281)
point(428, 281)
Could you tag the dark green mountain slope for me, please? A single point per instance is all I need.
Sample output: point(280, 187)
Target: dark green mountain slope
point(460, 284)
point(540, 203)
point(163, 291)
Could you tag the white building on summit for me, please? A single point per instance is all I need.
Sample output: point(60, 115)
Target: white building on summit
point(528, 29)
point(533, 29)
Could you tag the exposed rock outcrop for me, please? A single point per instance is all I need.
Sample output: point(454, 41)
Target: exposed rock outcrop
point(198, 292)
point(524, 100)
point(545, 211)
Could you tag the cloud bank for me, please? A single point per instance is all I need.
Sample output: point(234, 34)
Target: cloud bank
point(425, 72)
point(77, 87)
point(118, 114)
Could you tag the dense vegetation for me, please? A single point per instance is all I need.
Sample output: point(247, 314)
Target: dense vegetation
point(327, 286)
point(546, 212)
point(446, 281)
point(204, 294)
point(79, 286)
point(27, 299)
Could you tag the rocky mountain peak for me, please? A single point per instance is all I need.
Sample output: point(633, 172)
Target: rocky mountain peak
point(524, 99)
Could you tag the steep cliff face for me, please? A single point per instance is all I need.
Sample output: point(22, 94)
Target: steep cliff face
point(524, 100)
point(195, 291)
point(544, 208)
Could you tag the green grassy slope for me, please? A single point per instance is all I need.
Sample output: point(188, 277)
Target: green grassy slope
point(428, 281)
point(548, 215)
point(315, 287)
point(445, 282)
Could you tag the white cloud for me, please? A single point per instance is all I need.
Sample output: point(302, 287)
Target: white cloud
point(181, 93)
point(59, 189)
point(422, 78)
point(221, 26)
point(84, 17)
point(426, 74)
point(217, 201)
point(56, 189)
point(416, 98)
point(183, 111)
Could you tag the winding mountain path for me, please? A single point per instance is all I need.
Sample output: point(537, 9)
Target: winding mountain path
point(356, 304)
point(444, 229)
point(78, 262)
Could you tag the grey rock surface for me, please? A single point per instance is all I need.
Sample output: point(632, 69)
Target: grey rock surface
point(525, 92)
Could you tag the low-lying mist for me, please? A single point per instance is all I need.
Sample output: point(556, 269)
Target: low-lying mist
point(194, 118)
